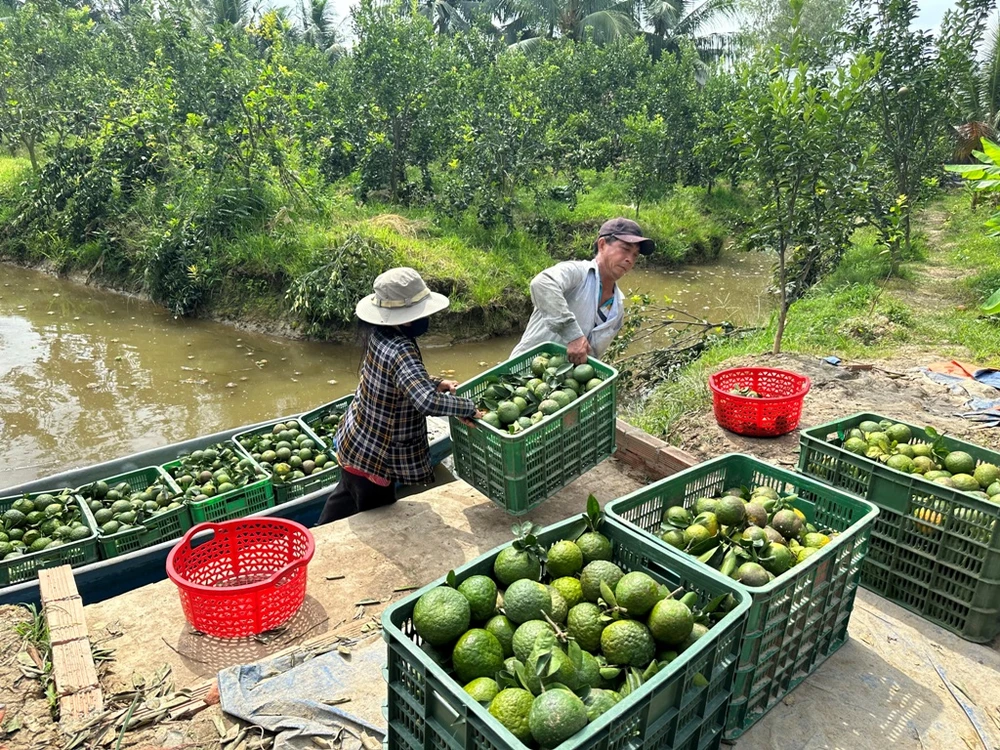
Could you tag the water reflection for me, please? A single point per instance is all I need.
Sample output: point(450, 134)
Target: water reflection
point(87, 375)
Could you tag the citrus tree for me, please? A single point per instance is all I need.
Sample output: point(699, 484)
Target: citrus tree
point(911, 105)
point(793, 126)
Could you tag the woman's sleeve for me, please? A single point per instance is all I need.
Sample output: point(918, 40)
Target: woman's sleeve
point(411, 377)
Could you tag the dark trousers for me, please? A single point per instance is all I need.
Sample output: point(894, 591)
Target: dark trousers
point(354, 494)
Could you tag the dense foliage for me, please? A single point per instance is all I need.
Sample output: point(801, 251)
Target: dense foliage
point(163, 135)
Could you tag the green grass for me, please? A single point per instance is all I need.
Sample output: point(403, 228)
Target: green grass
point(858, 312)
point(486, 270)
point(687, 224)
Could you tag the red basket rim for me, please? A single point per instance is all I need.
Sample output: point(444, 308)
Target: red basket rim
point(804, 386)
point(268, 582)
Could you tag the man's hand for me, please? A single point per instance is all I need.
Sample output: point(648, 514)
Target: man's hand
point(447, 386)
point(577, 350)
point(469, 420)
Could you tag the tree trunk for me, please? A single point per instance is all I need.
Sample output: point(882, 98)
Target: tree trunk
point(780, 330)
point(29, 143)
point(783, 309)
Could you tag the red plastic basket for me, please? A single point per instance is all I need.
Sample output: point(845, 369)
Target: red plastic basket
point(248, 578)
point(776, 413)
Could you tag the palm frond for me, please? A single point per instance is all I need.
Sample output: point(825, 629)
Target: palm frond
point(607, 26)
point(525, 45)
point(693, 20)
point(990, 77)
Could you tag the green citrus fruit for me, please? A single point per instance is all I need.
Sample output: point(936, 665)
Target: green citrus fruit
point(584, 624)
point(627, 643)
point(477, 653)
point(512, 564)
point(503, 629)
point(570, 590)
point(526, 600)
point(595, 546)
point(559, 606)
point(964, 482)
point(526, 635)
point(481, 592)
point(960, 462)
point(986, 475)
point(637, 593)
point(594, 573)
point(556, 715)
point(730, 511)
point(856, 445)
point(564, 558)
point(752, 574)
point(441, 615)
point(482, 689)
point(899, 433)
point(900, 462)
point(599, 702)
point(511, 707)
point(671, 622)
point(678, 515)
point(508, 412)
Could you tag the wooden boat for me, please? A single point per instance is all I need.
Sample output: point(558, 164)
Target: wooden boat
point(108, 578)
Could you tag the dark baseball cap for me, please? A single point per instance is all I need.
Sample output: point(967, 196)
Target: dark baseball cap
point(627, 230)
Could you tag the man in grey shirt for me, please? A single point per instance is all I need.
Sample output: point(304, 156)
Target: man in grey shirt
point(577, 302)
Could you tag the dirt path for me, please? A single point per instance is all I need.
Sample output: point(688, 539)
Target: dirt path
point(895, 388)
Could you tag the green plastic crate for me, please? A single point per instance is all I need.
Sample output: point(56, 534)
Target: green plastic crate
point(946, 570)
point(169, 524)
point(26, 567)
point(285, 491)
point(243, 501)
point(426, 708)
point(799, 618)
point(312, 418)
point(519, 471)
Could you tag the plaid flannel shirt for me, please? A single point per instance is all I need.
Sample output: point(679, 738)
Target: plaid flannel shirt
point(384, 432)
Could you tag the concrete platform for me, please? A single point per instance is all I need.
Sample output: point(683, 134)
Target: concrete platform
point(882, 689)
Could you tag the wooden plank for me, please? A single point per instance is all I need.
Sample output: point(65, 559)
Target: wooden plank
point(73, 668)
point(66, 620)
point(57, 583)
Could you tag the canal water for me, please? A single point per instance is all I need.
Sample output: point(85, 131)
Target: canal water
point(88, 375)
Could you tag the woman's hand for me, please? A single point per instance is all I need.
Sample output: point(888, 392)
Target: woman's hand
point(447, 386)
point(469, 421)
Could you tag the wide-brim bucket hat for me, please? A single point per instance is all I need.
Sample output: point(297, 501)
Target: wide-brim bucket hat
point(399, 296)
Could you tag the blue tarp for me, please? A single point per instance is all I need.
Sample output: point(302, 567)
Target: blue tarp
point(287, 696)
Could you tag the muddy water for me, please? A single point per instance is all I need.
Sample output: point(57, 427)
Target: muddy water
point(88, 375)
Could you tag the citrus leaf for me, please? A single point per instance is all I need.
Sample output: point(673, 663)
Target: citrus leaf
point(542, 664)
point(593, 508)
point(451, 580)
point(608, 595)
point(575, 654)
point(651, 670)
point(554, 666)
point(714, 604)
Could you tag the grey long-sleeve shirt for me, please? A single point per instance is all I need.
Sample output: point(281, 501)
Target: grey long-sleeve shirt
point(566, 297)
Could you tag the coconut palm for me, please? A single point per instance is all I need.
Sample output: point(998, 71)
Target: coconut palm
point(525, 22)
point(981, 99)
point(669, 21)
point(318, 27)
point(451, 16)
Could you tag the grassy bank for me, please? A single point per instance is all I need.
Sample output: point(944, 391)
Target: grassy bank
point(859, 313)
point(247, 274)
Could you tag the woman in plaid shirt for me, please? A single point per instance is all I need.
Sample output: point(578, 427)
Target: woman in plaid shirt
point(383, 437)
